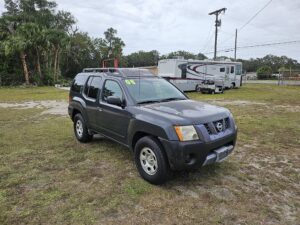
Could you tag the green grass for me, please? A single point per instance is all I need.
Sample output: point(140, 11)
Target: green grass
point(257, 92)
point(14, 94)
point(47, 177)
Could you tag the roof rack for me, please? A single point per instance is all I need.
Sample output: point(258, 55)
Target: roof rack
point(99, 70)
point(125, 72)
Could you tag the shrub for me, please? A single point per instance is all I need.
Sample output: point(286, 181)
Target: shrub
point(264, 72)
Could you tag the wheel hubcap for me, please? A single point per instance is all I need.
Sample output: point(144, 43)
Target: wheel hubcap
point(148, 161)
point(79, 128)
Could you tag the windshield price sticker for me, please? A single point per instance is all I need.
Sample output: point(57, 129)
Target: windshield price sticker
point(130, 82)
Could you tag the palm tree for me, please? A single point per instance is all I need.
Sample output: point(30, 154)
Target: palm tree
point(17, 41)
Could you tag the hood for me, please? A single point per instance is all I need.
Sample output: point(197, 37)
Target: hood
point(193, 112)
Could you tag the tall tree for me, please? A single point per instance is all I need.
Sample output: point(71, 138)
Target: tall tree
point(17, 42)
point(185, 55)
point(142, 58)
point(110, 46)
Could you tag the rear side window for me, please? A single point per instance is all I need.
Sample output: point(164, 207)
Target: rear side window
point(92, 87)
point(78, 83)
point(112, 88)
point(95, 87)
point(222, 69)
point(87, 86)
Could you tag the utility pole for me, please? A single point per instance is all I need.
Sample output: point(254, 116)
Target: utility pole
point(217, 24)
point(235, 44)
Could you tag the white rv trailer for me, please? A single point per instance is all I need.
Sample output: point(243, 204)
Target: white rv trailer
point(187, 74)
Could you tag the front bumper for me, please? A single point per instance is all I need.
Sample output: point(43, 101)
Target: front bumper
point(218, 155)
point(193, 154)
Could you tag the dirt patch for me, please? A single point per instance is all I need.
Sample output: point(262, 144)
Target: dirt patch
point(288, 108)
point(235, 102)
point(51, 107)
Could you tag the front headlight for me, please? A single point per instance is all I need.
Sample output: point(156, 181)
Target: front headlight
point(186, 133)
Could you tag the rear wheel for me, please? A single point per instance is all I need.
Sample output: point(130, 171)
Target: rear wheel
point(80, 129)
point(151, 161)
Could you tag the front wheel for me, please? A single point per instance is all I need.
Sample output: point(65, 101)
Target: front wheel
point(151, 161)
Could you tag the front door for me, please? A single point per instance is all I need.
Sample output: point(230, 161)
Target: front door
point(112, 120)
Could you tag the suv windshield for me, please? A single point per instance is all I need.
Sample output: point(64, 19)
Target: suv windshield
point(148, 90)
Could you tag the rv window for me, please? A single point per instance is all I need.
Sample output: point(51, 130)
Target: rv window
point(232, 69)
point(238, 69)
point(222, 69)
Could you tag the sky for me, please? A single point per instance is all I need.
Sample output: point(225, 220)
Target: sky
point(171, 25)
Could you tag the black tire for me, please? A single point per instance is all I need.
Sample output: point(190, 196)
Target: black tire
point(83, 135)
point(163, 172)
point(198, 88)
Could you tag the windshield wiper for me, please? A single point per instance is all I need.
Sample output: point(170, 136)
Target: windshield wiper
point(161, 100)
point(171, 99)
point(148, 102)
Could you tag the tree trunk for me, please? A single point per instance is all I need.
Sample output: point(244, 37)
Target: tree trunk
point(25, 70)
point(55, 64)
point(58, 72)
point(38, 66)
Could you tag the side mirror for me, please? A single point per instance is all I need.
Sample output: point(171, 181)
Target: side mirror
point(113, 100)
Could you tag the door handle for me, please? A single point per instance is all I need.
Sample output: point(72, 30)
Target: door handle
point(99, 109)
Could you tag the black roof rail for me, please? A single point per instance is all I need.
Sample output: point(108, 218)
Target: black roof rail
point(99, 70)
point(125, 72)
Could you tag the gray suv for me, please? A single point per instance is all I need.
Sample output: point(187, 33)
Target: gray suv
point(165, 130)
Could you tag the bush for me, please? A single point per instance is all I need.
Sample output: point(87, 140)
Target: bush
point(11, 79)
point(264, 72)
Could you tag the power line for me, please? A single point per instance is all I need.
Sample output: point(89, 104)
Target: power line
point(258, 45)
point(252, 18)
point(248, 21)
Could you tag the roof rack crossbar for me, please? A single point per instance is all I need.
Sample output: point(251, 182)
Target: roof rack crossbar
point(124, 72)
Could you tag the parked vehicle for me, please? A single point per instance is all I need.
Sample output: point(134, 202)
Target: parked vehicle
point(187, 74)
point(165, 130)
point(210, 87)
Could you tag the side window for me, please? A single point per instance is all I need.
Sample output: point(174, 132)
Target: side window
point(232, 69)
point(111, 88)
point(95, 86)
point(87, 86)
point(78, 83)
point(222, 69)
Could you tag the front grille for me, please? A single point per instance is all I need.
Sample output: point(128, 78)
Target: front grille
point(217, 126)
point(208, 129)
point(227, 124)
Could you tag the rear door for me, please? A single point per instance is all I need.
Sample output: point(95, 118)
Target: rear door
point(113, 120)
point(91, 94)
